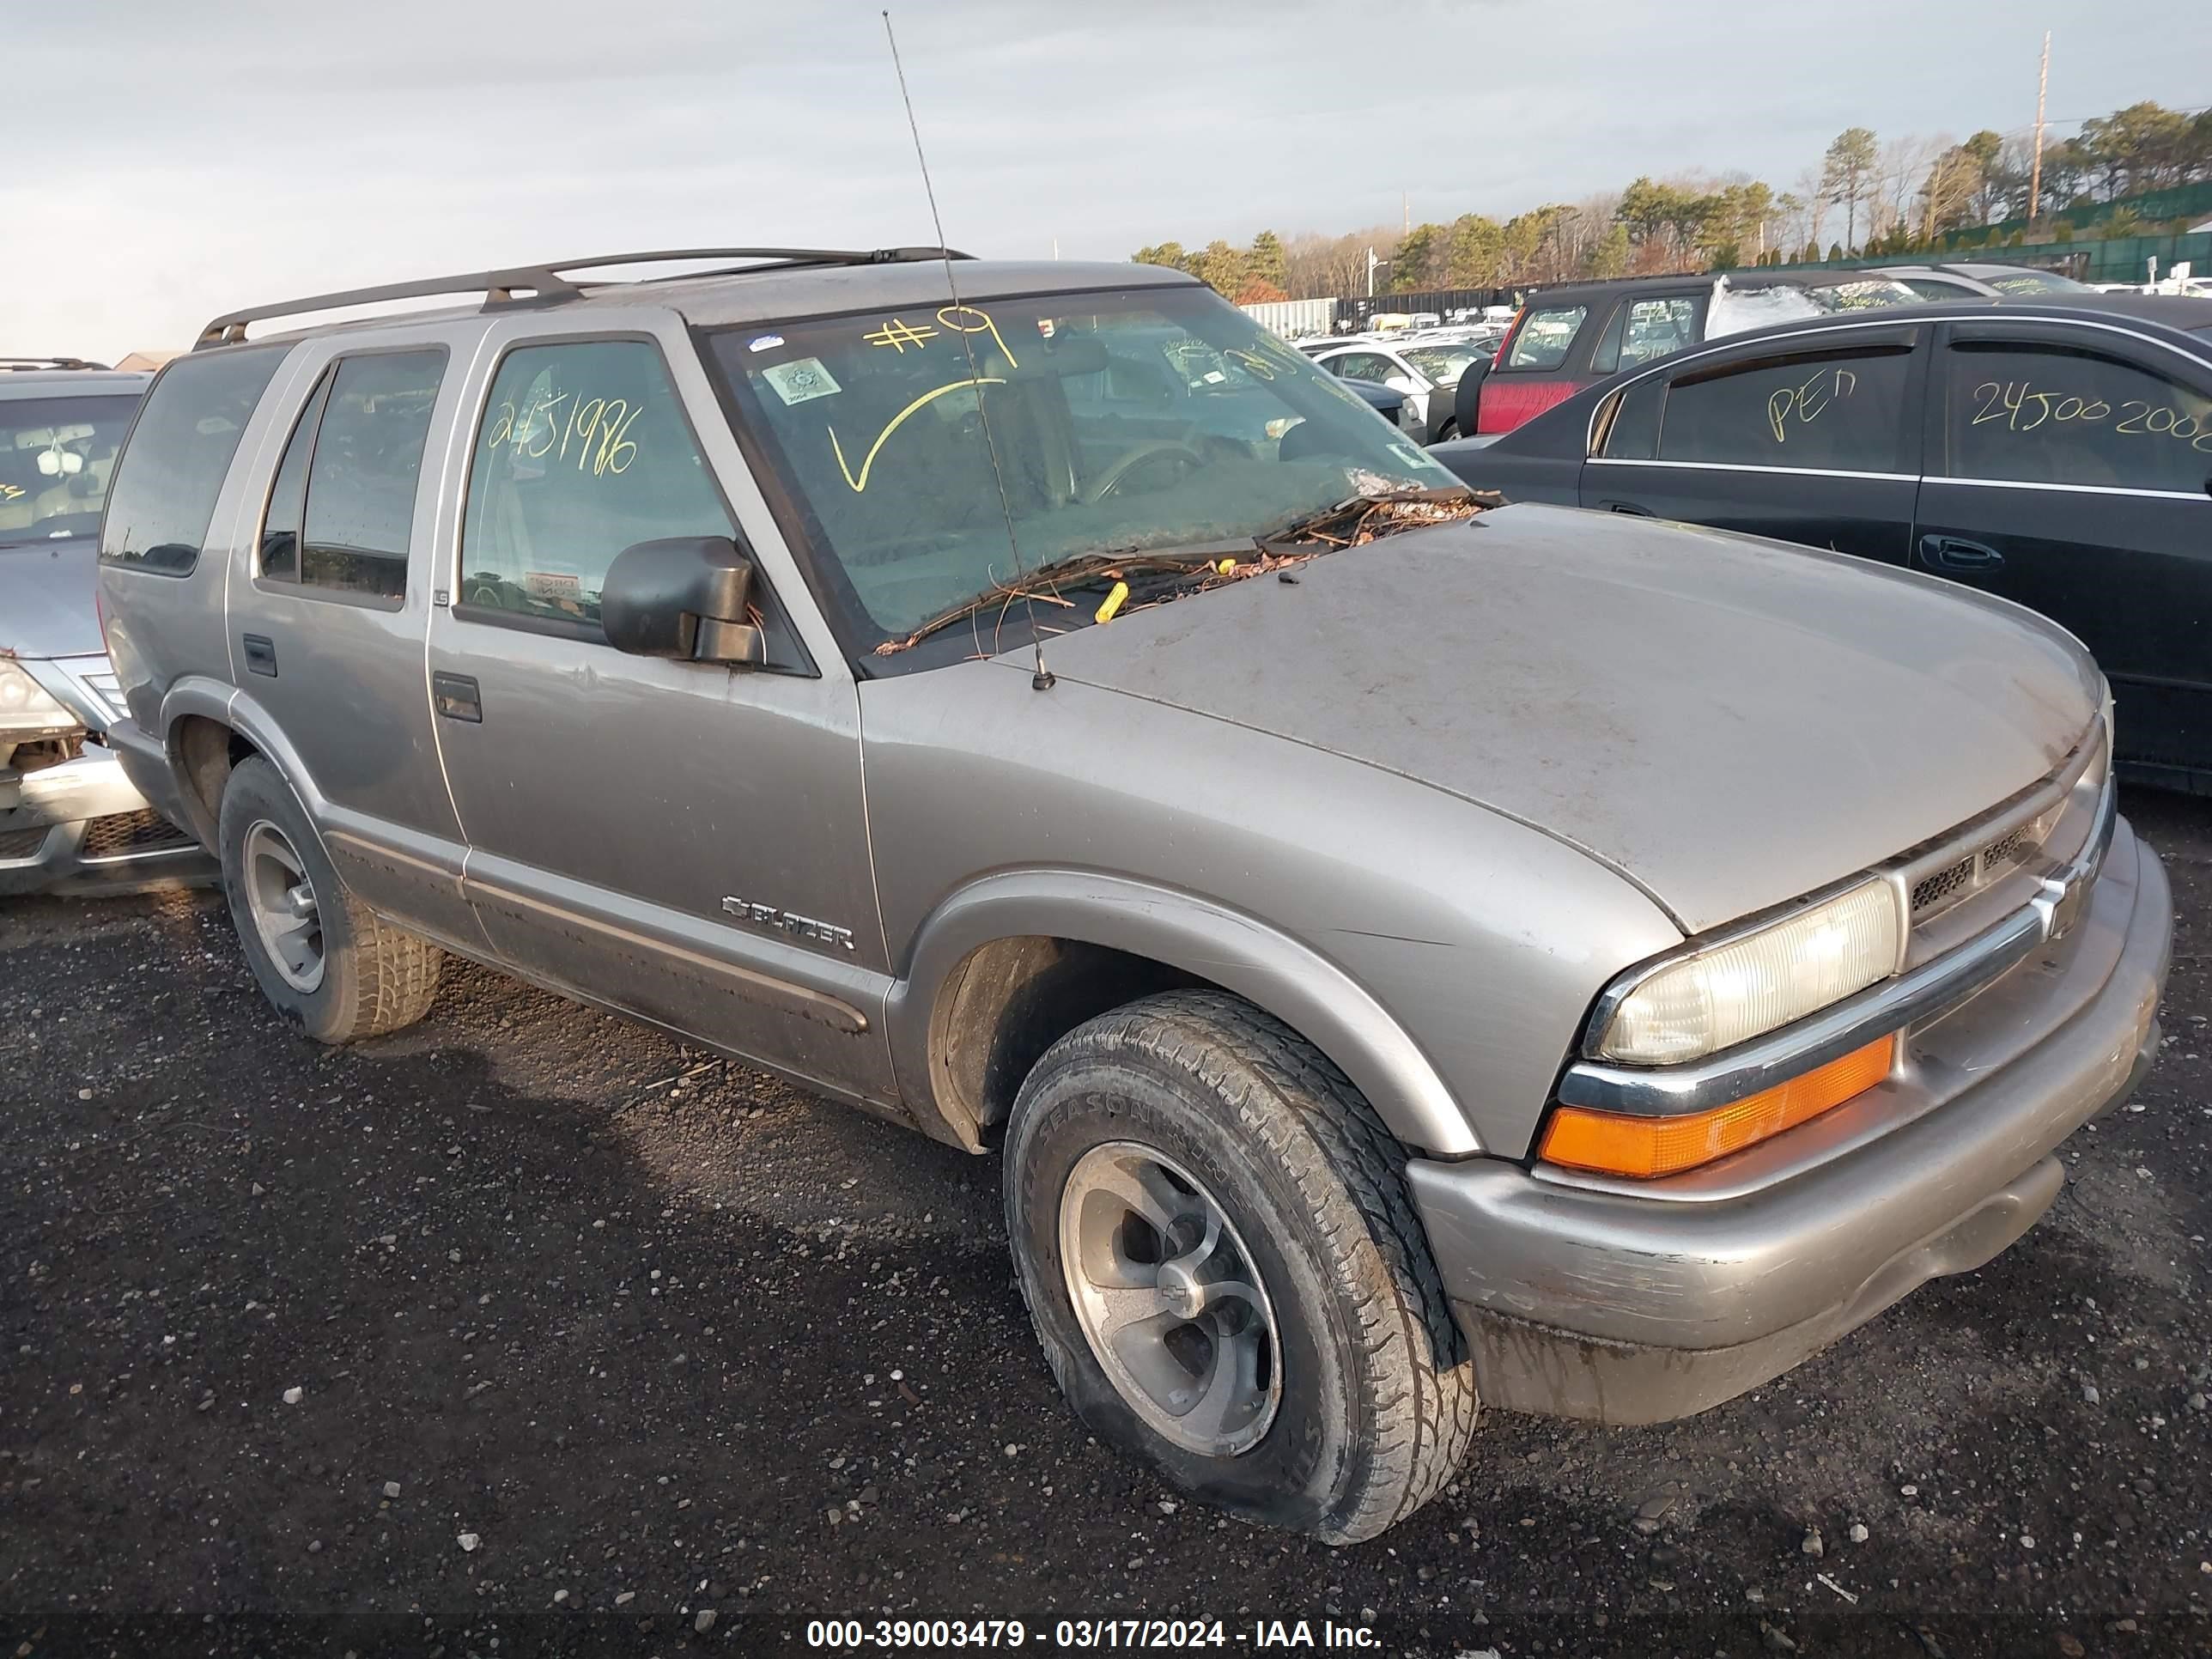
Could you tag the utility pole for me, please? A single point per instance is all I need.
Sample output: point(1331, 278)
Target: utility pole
point(2035, 173)
point(1405, 207)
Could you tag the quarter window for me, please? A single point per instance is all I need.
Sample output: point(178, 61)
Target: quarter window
point(359, 447)
point(583, 451)
point(163, 495)
point(2022, 413)
point(1841, 410)
point(1632, 434)
point(1545, 337)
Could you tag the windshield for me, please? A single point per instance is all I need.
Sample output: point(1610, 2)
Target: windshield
point(1443, 364)
point(56, 454)
point(1869, 294)
point(1130, 421)
point(2034, 282)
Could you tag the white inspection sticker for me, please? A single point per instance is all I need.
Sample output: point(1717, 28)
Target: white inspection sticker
point(795, 383)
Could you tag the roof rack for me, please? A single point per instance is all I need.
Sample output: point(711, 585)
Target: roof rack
point(550, 284)
point(49, 362)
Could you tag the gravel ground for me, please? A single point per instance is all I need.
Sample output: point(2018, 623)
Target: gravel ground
point(527, 1330)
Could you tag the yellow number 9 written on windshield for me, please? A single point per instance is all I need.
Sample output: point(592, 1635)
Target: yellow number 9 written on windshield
point(595, 429)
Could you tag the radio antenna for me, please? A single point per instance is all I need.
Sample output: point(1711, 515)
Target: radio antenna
point(1041, 677)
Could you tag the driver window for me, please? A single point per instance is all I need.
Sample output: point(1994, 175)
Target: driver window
point(583, 450)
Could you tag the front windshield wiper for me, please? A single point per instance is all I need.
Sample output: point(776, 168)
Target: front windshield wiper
point(1150, 567)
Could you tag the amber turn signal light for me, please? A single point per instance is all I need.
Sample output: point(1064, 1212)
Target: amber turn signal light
point(1645, 1147)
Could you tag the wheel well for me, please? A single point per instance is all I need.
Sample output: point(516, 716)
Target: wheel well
point(206, 750)
point(1010, 1000)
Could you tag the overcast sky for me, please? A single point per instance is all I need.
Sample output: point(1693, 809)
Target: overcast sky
point(171, 158)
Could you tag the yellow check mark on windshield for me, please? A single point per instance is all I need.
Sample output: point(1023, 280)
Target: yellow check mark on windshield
point(869, 460)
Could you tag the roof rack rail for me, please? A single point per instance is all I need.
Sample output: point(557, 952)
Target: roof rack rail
point(551, 284)
point(49, 362)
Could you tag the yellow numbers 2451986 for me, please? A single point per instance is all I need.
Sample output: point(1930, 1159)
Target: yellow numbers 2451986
point(596, 429)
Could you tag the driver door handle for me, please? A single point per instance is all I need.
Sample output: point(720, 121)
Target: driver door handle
point(456, 698)
point(1957, 553)
point(1629, 507)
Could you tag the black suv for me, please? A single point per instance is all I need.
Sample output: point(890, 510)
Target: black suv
point(1576, 334)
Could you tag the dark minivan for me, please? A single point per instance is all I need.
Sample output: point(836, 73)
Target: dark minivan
point(2057, 456)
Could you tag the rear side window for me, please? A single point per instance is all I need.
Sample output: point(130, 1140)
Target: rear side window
point(584, 452)
point(1545, 337)
point(1655, 329)
point(2026, 414)
point(372, 418)
point(1370, 366)
point(163, 495)
point(1839, 411)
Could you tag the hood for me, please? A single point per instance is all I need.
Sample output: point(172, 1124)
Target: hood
point(46, 598)
point(1728, 722)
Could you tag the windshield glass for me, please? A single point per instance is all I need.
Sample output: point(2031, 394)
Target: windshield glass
point(1130, 421)
point(2034, 282)
point(1869, 294)
point(1443, 364)
point(56, 454)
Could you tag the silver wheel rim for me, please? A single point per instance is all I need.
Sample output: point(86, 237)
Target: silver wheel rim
point(1169, 1299)
point(282, 902)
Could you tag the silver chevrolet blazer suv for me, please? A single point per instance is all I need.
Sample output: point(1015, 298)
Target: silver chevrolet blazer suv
point(1409, 953)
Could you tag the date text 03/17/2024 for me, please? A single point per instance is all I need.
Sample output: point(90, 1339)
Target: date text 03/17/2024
point(1085, 1634)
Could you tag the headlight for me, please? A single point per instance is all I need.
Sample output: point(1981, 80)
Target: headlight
point(26, 713)
point(1733, 992)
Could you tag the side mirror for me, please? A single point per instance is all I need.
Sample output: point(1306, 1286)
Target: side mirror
point(687, 597)
point(1401, 383)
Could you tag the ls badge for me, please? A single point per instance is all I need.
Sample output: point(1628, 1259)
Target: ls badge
point(805, 927)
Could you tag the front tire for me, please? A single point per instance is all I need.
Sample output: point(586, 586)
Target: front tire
point(1213, 1232)
point(322, 959)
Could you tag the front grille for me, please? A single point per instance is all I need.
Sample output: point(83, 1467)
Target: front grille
point(1932, 890)
point(129, 832)
point(22, 843)
point(2009, 849)
point(1976, 870)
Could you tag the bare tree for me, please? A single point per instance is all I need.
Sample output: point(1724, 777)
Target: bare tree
point(1900, 175)
point(1812, 201)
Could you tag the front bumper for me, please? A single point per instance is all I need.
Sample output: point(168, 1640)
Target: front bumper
point(82, 826)
point(1586, 1299)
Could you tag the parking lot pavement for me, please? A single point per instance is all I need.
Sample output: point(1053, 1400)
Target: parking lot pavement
point(634, 1336)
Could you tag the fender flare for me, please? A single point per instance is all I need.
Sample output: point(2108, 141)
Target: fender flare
point(229, 706)
point(1199, 936)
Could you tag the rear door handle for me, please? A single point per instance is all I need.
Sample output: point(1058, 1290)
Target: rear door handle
point(260, 655)
point(1956, 553)
point(455, 697)
point(1629, 507)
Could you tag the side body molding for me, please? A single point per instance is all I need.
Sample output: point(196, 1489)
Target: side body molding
point(1230, 949)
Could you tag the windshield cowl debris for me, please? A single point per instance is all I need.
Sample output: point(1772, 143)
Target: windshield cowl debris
point(1139, 581)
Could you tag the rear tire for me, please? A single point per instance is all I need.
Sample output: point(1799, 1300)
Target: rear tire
point(1362, 1402)
point(1450, 431)
point(322, 959)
